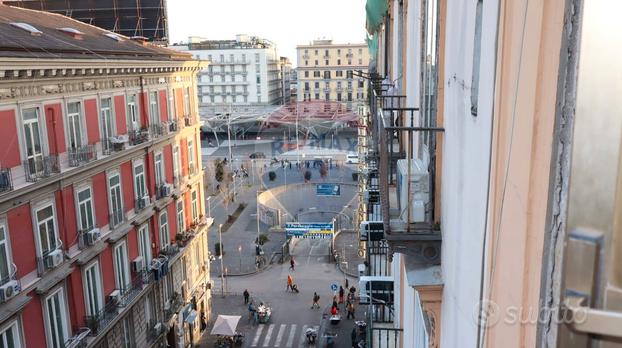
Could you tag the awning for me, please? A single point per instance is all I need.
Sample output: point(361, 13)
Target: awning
point(372, 45)
point(375, 12)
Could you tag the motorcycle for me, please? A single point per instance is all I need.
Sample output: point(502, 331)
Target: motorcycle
point(311, 335)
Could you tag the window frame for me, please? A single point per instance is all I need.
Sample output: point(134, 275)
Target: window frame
point(99, 293)
point(160, 175)
point(139, 179)
point(50, 333)
point(144, 244)
point(41, 130)
point(194, 204)
point(181, 221)
point(154, 107)
point(16, 327)
point(164, 230)
point(133, 111)
point(122, 245)
point(78, 190)
point(79, 115)
point(36, 209)
point(6, 244)
point(111, 175)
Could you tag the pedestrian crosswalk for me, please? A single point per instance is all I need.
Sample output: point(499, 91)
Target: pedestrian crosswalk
point(280, 335)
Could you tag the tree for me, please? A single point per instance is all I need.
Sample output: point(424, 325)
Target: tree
point(272, 176)
point(220, 171)
point(307, 176)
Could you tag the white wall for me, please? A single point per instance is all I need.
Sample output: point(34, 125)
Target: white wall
point(466, 152)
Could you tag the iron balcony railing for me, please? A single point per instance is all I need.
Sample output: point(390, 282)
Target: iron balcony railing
point(99, 321)
point(6, 180)
point(81, 155)
point(137, 137)
point(79, 339)
point(112, 145)
point(51, 258)
point(116, 217)
point(40, 167)
point(170, 250)
point(157, 130)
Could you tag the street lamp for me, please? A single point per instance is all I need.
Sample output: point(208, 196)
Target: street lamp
point(233, 199)
point(257, 215)
point(222, 266)
point(240, 251)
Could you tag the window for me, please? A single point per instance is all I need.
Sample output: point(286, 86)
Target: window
point(327, 74)
point(10, 336)
point(6, 262)
point(338, 61)
point(306, 86)
point(194, 205)
point(317, 96)
point(327, 96)
point(361, 83)
point(339, 73)
point(159, 169)
point(144, 244)
point(306, 62)
point(165, 236)
point(349, 61)
point(191, 155)
point(140, 188)
point(338, 51)
point(360, 61)
point(154, 110)
point(122, 275)
point(349, 96)
point(107, 129)
point(326, 53)
point(306, 73)
point(360, 51)
point(231, 58)
point(116, 200)
point(209, 57)
point(128, 329)
point(46, 228)
point(85, 210)
point(181, 226)
point(32, 139)
point(326, 62)
point(222, 58)
point(317, 85)
point(256, 57)
point(316, 74)
point(316, 62)
point(477, 51)
point(132, 112)
point(92, 289)
point(74, 125)
point(258, 79)
point(57, 328)
point(338, 96)
point(150, 311)
point(187, 101)
point(316, 52)
point(243, 60)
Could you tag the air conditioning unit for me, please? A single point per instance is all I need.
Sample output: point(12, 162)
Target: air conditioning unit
point(115, 297)
point(158, 328)
point(166, 190)
point(419, 196)
point(143, 202)
point(371, 230)
point(8, 290)
point(54, 258)
point(138, 264)
point(92, 236)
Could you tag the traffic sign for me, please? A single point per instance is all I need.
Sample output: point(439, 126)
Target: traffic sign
point(334, 286)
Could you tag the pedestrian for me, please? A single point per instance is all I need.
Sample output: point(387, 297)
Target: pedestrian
point(316, 300)
point(347, 283)
point(246, 296)
point(292, 264)
point(290, 282)
point(341, 293)
point(353, 336)
point(334, 310)
point(290, 165)
point(350, 309)
point(334, 301)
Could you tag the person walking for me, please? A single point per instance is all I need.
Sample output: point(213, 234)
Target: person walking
point(341, 293)
point(290, 282)
point(246, 296)
point(292, 264)
point(353, 336)
point(347, 284)
point(316, 300)
point(350, 309)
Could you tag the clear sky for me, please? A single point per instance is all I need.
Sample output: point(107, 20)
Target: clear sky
point(286, 22)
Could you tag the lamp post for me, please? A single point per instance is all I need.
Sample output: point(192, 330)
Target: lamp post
point(222, 267)
point(233, 199)
point(240, 251)
point(257, 215)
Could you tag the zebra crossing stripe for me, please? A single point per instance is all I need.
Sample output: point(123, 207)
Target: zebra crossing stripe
point(279, 336)
point(257, 335)
point(292, 331)
point(266, 340)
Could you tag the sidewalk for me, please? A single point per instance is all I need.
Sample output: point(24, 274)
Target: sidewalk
point(346, 245)
point(343, 330)
point(229, 305)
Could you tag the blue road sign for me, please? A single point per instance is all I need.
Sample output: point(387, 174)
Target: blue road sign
point(309, 230)
point(328, 190)
point(334, 286)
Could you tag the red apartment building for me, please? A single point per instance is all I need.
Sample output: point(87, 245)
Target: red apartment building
point(103, 237)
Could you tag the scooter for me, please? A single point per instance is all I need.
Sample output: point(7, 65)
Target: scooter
point(238, 339)
point(311, 335)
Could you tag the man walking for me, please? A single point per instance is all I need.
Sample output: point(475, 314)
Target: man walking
point(316, 300)
point(246, 296)
point(292, 264)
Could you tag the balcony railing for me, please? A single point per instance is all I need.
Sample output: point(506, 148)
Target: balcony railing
point(6, 180)
point(157, 130)
point(40, 167)
point(79, 339)
point(138, 136)
point(113, 144)
point(81, 155)
point(51, 258)
point(99, 321)
point(170, 250)
point(163, 190)
point(172, 126)
point(116, 217)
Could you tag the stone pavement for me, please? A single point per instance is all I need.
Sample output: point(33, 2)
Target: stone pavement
point(346, 246)
point(232, 304)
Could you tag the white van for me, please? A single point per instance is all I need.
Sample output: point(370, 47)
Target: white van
point(352, 158)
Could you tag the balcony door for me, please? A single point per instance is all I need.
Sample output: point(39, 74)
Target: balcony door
point(32, 140)
point(46, 230)
point(74, 125)
point(107, 130)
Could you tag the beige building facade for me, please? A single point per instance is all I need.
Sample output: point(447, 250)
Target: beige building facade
point(326, 72)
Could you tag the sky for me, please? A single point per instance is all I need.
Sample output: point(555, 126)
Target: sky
point(285, 22)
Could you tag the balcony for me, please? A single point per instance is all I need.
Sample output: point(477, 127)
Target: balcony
point(137, 137)
point(79, 339)
point(40, 167)
point(81, 155)
point(114, 144)
point(170, 250)
point(98, 322)
point(6, 180)
point(163, 190)
point(141, 203)
point(51, 258)
point(155, 330)
point(116, 217)
point(87, 237)
point(172, 126)
point(405, 142)
point(157, 130)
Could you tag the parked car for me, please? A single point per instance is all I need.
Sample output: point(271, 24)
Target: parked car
point(257, 155)
point(352, 158)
